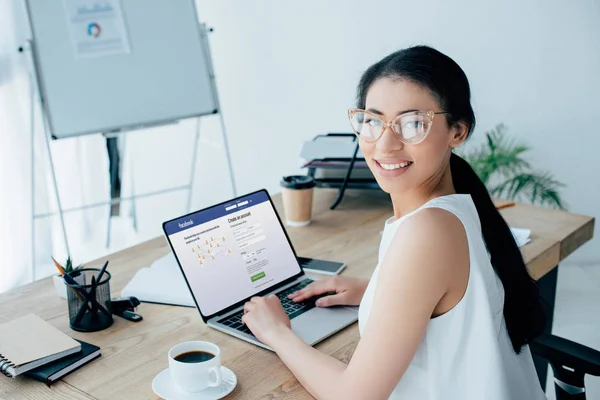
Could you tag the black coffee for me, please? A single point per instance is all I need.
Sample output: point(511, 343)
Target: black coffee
point(194, 356)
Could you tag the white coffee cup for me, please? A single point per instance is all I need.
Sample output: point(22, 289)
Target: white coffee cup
point(195, 376)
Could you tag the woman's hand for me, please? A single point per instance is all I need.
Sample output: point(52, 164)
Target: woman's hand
point(265, 317)
point(349, 291)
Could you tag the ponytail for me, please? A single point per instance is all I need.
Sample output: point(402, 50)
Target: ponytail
point(523, 311)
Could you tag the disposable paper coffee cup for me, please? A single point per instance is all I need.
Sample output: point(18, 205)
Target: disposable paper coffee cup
point(297, 193)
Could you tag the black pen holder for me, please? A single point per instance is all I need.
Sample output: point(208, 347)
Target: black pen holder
point(89, 305)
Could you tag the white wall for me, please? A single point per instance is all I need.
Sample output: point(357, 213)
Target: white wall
point(288, 70)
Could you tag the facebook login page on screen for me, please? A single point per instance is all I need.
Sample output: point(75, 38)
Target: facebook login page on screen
point(232, 251)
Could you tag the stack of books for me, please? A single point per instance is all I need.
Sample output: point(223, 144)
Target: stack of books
point(32, 347)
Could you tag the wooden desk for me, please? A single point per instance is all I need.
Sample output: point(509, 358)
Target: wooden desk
point(133, 353)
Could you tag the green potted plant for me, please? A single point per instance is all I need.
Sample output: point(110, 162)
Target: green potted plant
point(59, 283)
point(499, 163)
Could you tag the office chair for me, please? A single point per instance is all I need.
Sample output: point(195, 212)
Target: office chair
point(570, 362)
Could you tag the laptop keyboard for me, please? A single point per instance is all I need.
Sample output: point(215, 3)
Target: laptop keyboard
point(291, 308)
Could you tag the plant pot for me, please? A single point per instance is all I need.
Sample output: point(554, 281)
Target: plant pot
point(59, 286)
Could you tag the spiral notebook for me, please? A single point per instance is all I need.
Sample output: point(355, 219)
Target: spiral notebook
point(29, 342)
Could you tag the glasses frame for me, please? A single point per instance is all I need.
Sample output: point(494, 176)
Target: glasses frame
point(385, 125)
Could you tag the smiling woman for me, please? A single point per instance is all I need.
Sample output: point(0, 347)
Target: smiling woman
point(450, 308)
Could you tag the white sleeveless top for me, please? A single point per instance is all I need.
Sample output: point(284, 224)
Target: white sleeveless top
point(466, 353)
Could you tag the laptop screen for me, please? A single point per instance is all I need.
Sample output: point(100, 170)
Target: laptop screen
point(232, 251)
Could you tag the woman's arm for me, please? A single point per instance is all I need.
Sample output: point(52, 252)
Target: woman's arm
point(427, 251)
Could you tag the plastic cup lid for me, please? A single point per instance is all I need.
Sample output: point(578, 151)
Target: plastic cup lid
point(298, 182)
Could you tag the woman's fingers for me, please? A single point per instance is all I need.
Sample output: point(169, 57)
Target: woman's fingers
point(304, 293)
point(332, 300)
point(248, 306)
point(314, 289)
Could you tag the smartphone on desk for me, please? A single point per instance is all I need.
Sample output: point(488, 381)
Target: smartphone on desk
point(324, 267)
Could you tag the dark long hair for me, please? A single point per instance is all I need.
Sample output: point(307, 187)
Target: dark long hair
point(445, 79)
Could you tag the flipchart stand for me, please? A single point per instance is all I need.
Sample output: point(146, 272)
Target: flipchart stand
point(36, 97)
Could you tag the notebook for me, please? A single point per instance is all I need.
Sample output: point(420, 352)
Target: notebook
point(29, 342)
point(55, 370)
point(161, 282)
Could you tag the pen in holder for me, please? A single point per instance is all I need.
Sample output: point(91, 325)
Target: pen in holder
point(88, 295)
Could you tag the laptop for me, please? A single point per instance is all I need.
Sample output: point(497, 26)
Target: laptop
point(233, 251)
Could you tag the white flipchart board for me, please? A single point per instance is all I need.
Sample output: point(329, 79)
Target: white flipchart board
point(164, 76)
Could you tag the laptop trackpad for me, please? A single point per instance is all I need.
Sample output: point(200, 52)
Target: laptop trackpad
point(318, 323)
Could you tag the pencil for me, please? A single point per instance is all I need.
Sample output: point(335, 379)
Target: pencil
point(58, 266)
point(506, 205)
point(67, 278)
point(72, 281)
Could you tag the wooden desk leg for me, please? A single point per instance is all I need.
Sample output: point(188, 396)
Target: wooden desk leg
point(548, 293)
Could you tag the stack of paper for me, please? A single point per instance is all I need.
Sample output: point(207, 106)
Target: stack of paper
point(162, 282)
point(328, 158)
point(522, 236)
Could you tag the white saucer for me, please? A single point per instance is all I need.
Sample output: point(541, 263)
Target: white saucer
point(164, 387)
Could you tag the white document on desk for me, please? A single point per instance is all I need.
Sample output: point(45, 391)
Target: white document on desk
point(522, 236)
point(161, 282)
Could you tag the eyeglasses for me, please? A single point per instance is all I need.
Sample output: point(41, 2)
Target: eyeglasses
point(410, 127)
